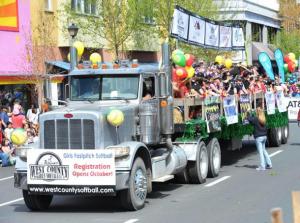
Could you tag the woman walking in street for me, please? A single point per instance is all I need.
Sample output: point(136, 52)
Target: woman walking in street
point(260, 135)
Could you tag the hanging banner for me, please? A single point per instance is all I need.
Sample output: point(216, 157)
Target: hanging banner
point(279, 60)
point(196, 30)
point(245, 107)
point(293, 106)
point(265, 61)
point(238, 41)
point(230, 110)
point(270, 102)
point(280, 101)
point(211, 35)
point(180, 23)
point(212, 114)
point(225, 37)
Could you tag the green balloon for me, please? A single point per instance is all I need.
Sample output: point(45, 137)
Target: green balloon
point(285, 68)
point(179, 60)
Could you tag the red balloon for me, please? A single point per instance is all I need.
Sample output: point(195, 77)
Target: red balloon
point(181, 72)
point(291, 67)
point(189, 60)
point(286, 59)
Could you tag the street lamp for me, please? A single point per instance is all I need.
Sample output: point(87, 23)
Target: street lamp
point(73, 30)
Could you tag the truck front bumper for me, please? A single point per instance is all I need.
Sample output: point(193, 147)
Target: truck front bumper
point(122, 179)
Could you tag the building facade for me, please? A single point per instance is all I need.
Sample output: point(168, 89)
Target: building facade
point(261, 22)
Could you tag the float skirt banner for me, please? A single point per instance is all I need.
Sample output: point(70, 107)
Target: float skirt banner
point(279, 60)
point(212, 113)
point(230, 110)
point(265, 61)
point(245, 107)
point(71, 171)
point(270, 102)
point(9, 20)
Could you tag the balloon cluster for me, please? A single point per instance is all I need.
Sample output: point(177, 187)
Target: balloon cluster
point(292, 78)
point(222, 61)
point(290, 63)
point(183, 62)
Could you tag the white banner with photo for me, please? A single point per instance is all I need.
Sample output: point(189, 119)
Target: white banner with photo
point(280, 101)
point(196, 30)
point(180, 24)
point(270, 102)
point(230, 110)
point(238, 37)
point(225, 37)
point(211, 34)
point(293, 105)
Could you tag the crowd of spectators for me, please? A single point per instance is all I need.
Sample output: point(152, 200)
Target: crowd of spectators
point(216, 80)
point(13, 117)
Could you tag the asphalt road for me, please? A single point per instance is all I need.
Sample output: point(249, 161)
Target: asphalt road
point(239, 194)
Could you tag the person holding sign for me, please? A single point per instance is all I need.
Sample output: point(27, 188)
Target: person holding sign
point(260, 135)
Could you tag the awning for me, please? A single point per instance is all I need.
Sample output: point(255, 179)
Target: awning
point(20, 79)
point(60, 64)
point(260, 47)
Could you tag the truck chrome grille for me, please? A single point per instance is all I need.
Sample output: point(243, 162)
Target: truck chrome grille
point(69, 134)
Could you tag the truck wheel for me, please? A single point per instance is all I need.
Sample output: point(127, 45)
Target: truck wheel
point(285, 134)
point(275, 137)
point(37, 202)
point(197, 170)
point(214, 157)
point(182, 177)
point(134, 197)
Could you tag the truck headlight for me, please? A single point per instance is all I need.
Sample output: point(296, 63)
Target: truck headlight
point(22, 153)
point(120, 151)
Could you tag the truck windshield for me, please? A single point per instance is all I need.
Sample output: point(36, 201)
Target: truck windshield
point(104, 87)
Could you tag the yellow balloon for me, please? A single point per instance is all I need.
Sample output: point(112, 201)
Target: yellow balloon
point(190, 71)
point(95, 58)
point(228, 63)
point(219, 59)
point(80, 48)
point(18, 136)
point(115, 117)
point(69, 57)
point(292, 56)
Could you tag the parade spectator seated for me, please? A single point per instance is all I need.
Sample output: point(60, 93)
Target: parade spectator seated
point(4, 158)
point(8, 149)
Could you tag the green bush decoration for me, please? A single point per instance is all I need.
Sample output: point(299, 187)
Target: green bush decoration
point(196, 128)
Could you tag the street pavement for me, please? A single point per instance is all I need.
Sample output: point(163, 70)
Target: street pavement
point(239, 194)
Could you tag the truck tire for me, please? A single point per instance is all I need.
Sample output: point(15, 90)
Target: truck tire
point(214, 157)
point(182, 177)
point(285, 134)
point(134, 197)
point(37, 202)
point(275, 137)
point(197, 170)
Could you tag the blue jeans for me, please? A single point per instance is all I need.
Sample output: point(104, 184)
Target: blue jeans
point(5, 159)
point(263, 154)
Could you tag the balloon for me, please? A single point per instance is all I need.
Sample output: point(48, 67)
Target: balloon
point(286, 59)
point(69, 57)
point(291, 67)
point(190, 71)
point(292, 56)
point(189, 59)
point(219, 59)
point(176, 52)
point(228, 63)
point(95, 58)
point(285, 68)
point(115, 117)
point(179, 59)
point(18, 136)
point(80, 47)
point(181, 72)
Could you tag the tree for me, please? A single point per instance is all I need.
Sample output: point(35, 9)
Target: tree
point(113, 25)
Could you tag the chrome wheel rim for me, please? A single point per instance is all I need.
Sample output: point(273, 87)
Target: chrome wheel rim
point(216, 158)
point(279, 134)
point(286, 132)
point(140, 185)
point(203, 163)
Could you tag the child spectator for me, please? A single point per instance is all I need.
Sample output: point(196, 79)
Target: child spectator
point(7, 132)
